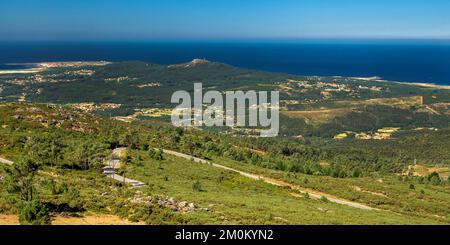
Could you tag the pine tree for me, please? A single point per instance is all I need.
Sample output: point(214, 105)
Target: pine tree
point(21, 178)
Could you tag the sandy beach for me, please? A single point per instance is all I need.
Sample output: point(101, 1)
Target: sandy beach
point(428, 85)
point(379, 79)
point(39, 67)
point(22, 71)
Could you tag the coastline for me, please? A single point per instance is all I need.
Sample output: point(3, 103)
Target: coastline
point(22, 71)
point(420, 84)
point(34, 68)
point(427, 85)
point(41, 66)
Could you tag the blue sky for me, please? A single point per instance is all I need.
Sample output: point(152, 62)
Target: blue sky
point(222, 19)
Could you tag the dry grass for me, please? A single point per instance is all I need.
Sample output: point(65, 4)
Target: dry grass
point(317, 116)
point(403, 102)
point(88, 219)
point(359, 189)
point(9, 219)
point(421, 170)
point(259, 152)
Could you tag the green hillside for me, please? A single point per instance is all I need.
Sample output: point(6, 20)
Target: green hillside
point(350, 150)
point(68, 149)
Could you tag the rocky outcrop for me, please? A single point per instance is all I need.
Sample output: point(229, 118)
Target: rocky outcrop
point(168, 202)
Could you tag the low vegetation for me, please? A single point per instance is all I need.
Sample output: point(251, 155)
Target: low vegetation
point(384, 145)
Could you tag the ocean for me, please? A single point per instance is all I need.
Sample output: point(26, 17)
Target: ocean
point(407, 61)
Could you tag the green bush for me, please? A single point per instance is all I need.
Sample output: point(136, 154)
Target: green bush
point(406, 208)
point(134, 218)
point(157, 214)
point(324, 199)
point(196, 186)
point(34, 213)
point(434, 178)
point(73, 199)
point(57, 189)
point(306, 195)
point(155, 154)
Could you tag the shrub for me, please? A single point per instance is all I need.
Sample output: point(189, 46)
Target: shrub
point(323, 199)
point(421, 180)
point(160, 215)
point(155, 154)
point(134, 218)
point(57, 189)
point(34, 213)
point(73, 199)
point(356, 173)
point(221, 178)
point(196, 186)
point(406, 208)
point(434, 178)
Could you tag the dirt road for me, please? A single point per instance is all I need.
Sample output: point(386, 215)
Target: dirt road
point(275, 182)
point(6, 161)
point(113, 163)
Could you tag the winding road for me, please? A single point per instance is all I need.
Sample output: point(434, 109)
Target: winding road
point(275, 182)
point(114, 163)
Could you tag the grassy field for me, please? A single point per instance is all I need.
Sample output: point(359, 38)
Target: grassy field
point(225, 197)
point(317, 117)
point(399, 194)
point(71, 147)
point(325, 114)
point(234, 199)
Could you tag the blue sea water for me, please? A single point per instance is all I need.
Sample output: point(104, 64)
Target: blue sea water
point(409, 61)
point(8, 66)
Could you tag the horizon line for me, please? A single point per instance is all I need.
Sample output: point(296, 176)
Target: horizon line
point(232, 39)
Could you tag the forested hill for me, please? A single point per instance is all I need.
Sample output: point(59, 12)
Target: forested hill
point(326, 107)
point(138, 84)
